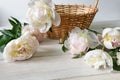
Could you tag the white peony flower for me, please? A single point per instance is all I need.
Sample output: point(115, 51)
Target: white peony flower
point(80, 40)
point(33, 32)
point(111, 37)
point(41, 14)
point(118, 58)
point(20, 49)
point(98, 59)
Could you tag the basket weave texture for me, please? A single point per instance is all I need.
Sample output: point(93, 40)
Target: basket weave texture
point(72, 16)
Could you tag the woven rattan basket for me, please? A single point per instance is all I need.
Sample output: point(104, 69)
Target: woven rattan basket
point(71, 16)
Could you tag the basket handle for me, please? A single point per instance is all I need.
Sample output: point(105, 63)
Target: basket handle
point(95, 4)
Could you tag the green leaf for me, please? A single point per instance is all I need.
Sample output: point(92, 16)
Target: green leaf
point(64, 48)
point(78, 56)
point(12, 22)
point(65, 37)
point(62, 40)
point(15, 26)
point(113, 52)
point(18, 34)
point(10, 34)
point(114, 57)
point(115, 66)
point(18, 31)
point(4, 39)
point(25, 24)
point(2, 48)
point(17, 21)
point(94, 31)
point(7, 32)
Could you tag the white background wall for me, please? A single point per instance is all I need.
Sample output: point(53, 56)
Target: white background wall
point(108, 9)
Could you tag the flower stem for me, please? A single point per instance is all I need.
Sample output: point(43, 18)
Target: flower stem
point(94, 31)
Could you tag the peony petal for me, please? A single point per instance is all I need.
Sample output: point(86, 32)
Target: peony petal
point(109, 60)
point(117, 28)
point(49, 3)
point(93, 40)
point(28, 14)
point(66, 44)
point(32, 3)
point(53, 14)
point(76, 30)
point(45, 27)
point(7, 49)
point(105, 31)
point(56, 19)
point(108, 45)
point(33, 32)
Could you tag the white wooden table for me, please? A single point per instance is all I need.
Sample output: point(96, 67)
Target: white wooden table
point(50, 63)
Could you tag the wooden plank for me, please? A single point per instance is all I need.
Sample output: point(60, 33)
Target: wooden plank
point(57, 65)
point(45, 68)
point(109, 76)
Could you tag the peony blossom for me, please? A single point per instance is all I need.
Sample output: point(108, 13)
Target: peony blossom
point(111, 37)
point(20, 49)
point(41, 14)
point(98, 59)
point(33, 32)
point(80, 41)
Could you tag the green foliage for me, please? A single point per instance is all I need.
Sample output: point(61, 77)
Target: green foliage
point(114, 58)
point(64, 48)
point(113, 52)
point(10, 34)
point(115, 65)
point(25, 24)
point(79, 55)
point(94, 31)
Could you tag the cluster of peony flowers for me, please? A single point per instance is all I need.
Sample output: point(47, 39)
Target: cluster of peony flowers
point(100, 50)
point(41, 15)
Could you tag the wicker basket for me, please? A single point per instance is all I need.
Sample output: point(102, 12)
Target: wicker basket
point(71, 16)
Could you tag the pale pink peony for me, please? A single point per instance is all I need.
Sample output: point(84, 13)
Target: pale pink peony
point(78, 44)
point(41, 14)
point(98, 59)
point(80, 41)
point(20, 49)
point(111, 37)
